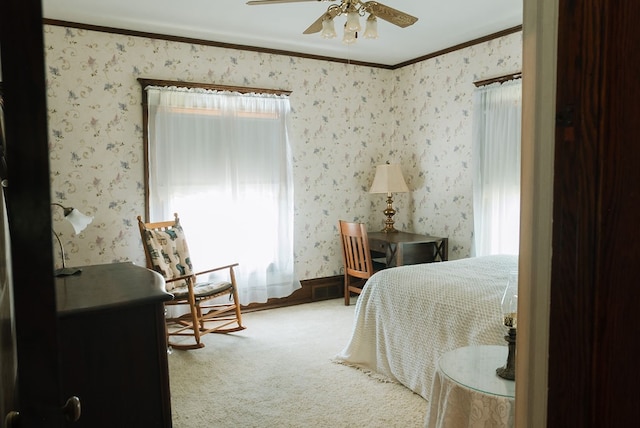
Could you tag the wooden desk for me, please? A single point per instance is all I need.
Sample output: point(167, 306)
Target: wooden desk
point(404, 248)
point(113, 349)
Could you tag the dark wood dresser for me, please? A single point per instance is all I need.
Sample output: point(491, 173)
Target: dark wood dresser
point(113, 351)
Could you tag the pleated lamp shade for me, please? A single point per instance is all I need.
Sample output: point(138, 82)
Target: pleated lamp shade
point(388, 179)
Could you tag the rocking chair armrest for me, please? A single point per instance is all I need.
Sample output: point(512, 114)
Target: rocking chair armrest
point(188, 277)
point(216, 269)
point(182, 278)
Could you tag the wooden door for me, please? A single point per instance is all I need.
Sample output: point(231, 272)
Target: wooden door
point(595, 298)
point(8, 361)
point(37, 400)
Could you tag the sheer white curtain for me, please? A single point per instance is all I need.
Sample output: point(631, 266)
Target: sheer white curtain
point(496, 163)
point(221, 160)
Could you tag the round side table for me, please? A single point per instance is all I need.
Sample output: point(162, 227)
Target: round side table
point(466, 391)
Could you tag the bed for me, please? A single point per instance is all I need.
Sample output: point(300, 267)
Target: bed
point(408, 316)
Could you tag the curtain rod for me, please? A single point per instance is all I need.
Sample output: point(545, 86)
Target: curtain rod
point(243, 90)
point(499, 79)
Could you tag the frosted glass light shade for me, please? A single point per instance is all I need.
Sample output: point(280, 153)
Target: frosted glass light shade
point(353, 21)
point(78, 220)
point(328, 29)
point(388, 179)
point(349, 37)
point(371, 28)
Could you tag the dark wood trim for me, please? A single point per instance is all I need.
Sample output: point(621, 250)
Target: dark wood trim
point(133, 33)
point(145, 150)
point(499, 79)
point(211, 86)
point(460, 46)
point(206, 42)
point(306, 294)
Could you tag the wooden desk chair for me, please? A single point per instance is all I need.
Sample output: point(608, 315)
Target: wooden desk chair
point(167, 253)
point(356, 256)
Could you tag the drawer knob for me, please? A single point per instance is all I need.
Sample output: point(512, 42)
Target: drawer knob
point(71, 409)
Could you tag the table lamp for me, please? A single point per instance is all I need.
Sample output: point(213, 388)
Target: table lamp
point(510, 319)
point(389, 179)
point(79, 221)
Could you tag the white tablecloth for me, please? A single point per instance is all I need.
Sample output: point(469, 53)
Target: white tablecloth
point(467, 392)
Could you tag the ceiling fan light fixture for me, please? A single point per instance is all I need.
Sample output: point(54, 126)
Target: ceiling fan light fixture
point(328, 29)
point(371, 28)
point(353, 9)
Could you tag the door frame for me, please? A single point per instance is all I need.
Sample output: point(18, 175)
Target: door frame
point(536, 212)
point(29, 213)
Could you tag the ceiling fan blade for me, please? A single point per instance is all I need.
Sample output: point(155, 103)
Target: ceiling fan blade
point(331, 13)
point(316, 26)
point(257, 2)
point(390, 14)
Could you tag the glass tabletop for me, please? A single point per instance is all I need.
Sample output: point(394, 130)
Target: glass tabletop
point(475, 367)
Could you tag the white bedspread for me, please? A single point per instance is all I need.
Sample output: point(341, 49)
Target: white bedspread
point(407, 317)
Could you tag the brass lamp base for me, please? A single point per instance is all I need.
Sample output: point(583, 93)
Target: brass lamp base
point(389, 212)
point(389, 228)
point(509, 370)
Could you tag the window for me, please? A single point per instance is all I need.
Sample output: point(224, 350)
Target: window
point(221, 160)
point(496, 162)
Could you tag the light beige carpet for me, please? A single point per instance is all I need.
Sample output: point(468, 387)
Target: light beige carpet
point(279, 373)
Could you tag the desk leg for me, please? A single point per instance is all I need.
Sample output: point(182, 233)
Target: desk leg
point(442, 250)
point(399, 254)
point(392, 255)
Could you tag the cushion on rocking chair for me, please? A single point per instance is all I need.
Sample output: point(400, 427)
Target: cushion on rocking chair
point(169, 254)
point(202, 289)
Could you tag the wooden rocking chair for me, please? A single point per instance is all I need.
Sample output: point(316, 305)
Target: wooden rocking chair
point(167, 253)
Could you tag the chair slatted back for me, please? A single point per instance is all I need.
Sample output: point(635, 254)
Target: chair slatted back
point(355, 249)
point(161, 225)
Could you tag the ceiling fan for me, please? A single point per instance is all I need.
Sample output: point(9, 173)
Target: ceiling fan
point(353, 9)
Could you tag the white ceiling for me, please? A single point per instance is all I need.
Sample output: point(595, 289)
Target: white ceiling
point(441, 24)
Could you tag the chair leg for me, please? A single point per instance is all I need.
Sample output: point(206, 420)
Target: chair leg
point(236, 299)
point(238, 309)
point(182, 326)
point(211, 313)
point(347, 293)
point(196, 317)
point(223, 329)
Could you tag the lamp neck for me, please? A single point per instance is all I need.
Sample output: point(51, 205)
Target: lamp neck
point(66, 210)
point(62, 256)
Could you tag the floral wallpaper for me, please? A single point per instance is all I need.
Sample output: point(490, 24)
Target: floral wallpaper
point(346, 119)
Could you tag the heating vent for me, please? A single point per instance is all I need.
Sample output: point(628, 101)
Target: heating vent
point(326, 291)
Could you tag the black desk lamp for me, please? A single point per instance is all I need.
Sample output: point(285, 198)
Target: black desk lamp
point(79, 222)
